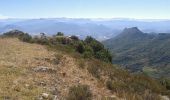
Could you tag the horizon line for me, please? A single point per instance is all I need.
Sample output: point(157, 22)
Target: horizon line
point(116, 18)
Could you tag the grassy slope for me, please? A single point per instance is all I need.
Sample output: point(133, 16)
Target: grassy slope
point(19, 80)
point(16, 60)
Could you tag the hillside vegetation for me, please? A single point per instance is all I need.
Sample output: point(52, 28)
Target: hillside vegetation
point(141, 52)
point(58, 68)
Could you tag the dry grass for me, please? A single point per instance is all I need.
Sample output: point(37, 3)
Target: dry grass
point(16, 60)
point(126, 85)
point(18, 80)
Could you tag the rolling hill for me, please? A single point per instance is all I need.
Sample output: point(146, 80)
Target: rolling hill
point(138, 51)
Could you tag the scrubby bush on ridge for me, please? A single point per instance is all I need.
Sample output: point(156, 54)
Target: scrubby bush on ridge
point(25, 37)
point(89, 47)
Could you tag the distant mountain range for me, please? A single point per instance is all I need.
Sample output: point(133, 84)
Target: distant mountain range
point(141, 52)
point(101, 29)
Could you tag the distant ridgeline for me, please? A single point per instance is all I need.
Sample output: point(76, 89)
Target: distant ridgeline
point(141, 52)
point(89, 48)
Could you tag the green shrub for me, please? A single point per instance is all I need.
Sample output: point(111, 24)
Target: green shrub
point(89, 39)
point(80, 92)
point(60, 34)
point(25, 37)
point(89, 48)
point(62, 40)
point(132, 91)
point(116, 86)
point(87, 54)
point(42, 39)
point(80, 47)
point(98, 49)
point(19, 34)
point(94, 44)
point(104, 55)
point(13, 33)
point(75, 38)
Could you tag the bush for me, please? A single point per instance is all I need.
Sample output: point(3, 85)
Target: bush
point(42, 39)
point(89, 39)
point(80, 47)
point(116, 86)
point(95, 45)
point(87, 54)
point(80, 92)
point(62, 40)
point(88, 48)
point(13, 33)
point(132, 91)
point(104, 55)
point(75, 38)
point(60, 34)
point(98, 49)
point(25, 37)
point(19, 34)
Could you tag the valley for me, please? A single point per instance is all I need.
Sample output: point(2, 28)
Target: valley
point(137, 51)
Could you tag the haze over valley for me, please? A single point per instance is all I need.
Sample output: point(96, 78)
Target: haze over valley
point(101, 29)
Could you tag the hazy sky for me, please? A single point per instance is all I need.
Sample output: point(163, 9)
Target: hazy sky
point(140, 9)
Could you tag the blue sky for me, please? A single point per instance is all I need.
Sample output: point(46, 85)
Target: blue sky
point(139, 9)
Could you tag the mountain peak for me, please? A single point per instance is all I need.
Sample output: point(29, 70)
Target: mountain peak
point(133, 30)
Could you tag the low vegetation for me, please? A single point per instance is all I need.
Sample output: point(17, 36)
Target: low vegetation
point(80, 92)
point(126, 85)
point(88, 48)
point(93, 57)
